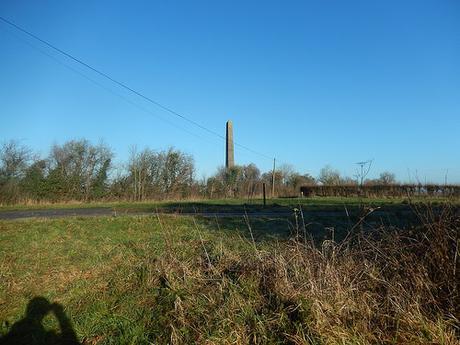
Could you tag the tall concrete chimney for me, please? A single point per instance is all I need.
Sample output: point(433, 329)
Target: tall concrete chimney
point(229, 151)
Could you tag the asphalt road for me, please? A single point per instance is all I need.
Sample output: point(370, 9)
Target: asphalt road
point(57, 213)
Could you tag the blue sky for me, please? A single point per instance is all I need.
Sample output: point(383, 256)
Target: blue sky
point(310, 82)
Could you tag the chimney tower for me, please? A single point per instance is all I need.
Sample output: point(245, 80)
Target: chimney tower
point(229, 150)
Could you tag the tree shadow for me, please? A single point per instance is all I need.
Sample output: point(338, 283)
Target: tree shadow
point(221, 207)
point(276, 206)
point(315, 225)
point(30, 329)
point(257, 228)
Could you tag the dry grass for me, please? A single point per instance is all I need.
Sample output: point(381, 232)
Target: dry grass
point(174, 280)
point(387, 286)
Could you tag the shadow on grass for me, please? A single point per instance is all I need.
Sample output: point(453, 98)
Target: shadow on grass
point(318, 226)
point(262, 228)
point(256, 206)
point(30, 330)
point(212, 207)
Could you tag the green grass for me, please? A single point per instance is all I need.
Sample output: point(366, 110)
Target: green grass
point(181, 280)
point(97, 267)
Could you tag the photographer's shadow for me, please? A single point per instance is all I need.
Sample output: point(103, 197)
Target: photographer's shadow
point(30, 329)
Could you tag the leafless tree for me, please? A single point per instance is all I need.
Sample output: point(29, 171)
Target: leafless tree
point(14, 159)
point(363, 171)
point(160, 174)
point(387, 178)
point(78, 166)
point(329, 176)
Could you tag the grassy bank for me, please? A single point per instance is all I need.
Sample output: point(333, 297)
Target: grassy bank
point(181, 280)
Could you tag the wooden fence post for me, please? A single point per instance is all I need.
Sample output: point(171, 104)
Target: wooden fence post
point(265, 201)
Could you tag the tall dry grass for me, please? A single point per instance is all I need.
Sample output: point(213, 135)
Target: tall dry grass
point(384, 286)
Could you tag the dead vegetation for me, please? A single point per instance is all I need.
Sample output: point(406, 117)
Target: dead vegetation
point(386, 286)
point(179, 280)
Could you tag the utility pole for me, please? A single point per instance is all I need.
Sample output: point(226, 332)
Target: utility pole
point(273, 178)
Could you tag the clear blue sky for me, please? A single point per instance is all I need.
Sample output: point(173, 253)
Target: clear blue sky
point(310, 82)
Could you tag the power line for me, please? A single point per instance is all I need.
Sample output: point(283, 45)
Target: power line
point(105, 88)
point(165, 108)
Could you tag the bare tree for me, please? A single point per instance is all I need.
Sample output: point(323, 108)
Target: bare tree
point(178, 171)
point(329, 176)
point(296, 180)
point(77, 166)
point(160, 174)
point(363, 171)
point(14, 160)
point(387, 178)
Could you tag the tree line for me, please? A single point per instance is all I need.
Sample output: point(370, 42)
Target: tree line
point(82, 171)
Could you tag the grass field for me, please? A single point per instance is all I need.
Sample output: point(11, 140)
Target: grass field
point(184, 280)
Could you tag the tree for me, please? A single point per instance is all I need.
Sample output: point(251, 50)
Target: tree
point(249, 181)
point(34, 182)
point(329, 176)
point(235, 181)
point(251, 173)
point(100, 185)
point(143, 168)
point(295, 181)
point(76, 167)
point(178, 171)
point(348, 181)
point(164, 173)
point(14, 160)
point(230, 179)
point(363, 171)
point(286, 172)
point(387, 178)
